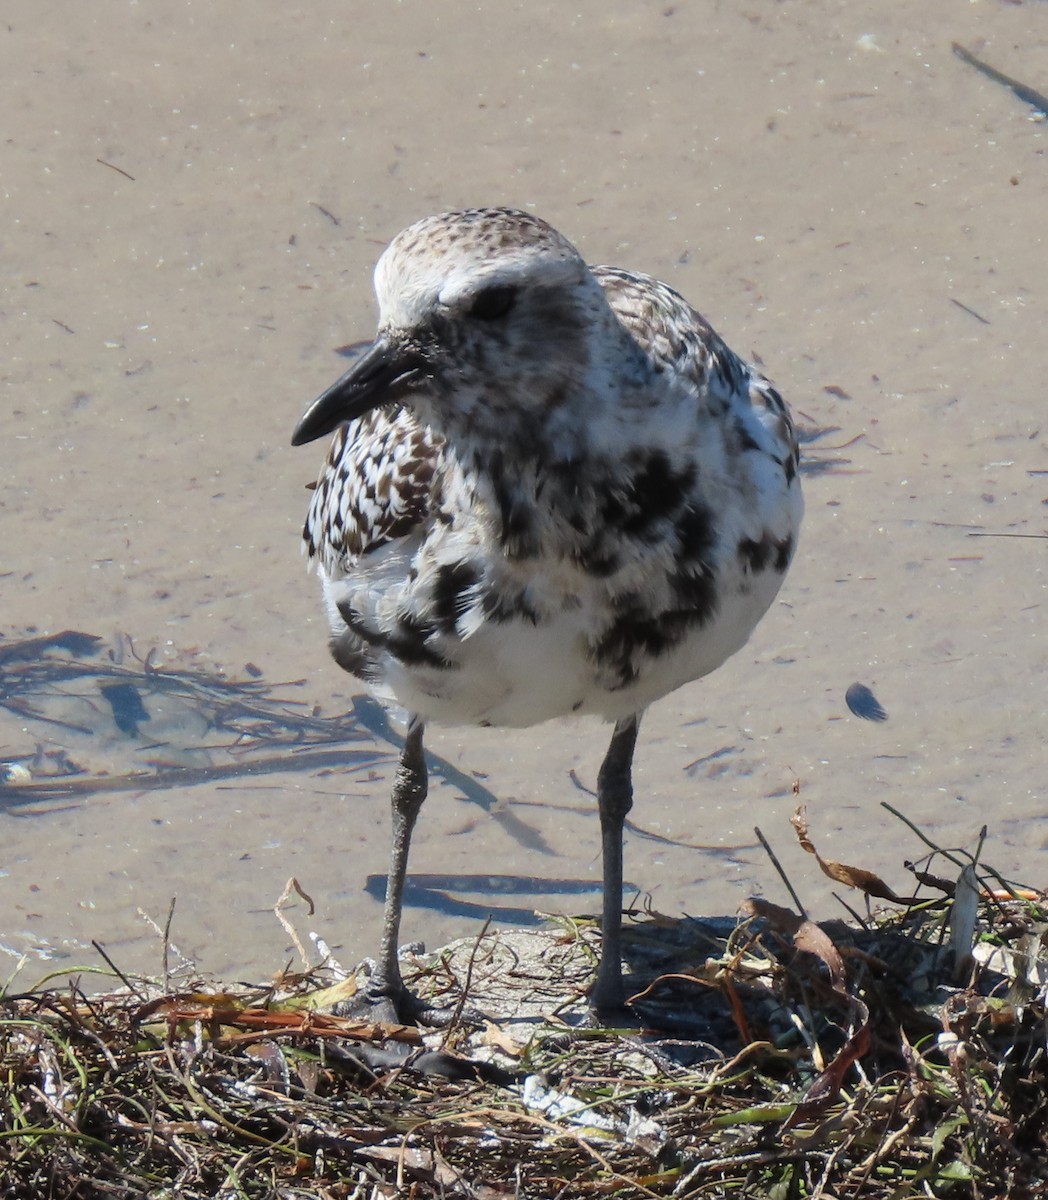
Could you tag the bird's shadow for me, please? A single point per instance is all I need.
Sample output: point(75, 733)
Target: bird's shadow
point(434, 892)
point(373, 717)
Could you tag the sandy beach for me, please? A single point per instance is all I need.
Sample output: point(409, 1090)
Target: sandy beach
point(193, 199)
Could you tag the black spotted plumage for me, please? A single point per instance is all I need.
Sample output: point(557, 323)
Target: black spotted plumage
point(376, 486)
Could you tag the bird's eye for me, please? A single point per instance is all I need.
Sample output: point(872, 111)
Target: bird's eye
point(492, 303)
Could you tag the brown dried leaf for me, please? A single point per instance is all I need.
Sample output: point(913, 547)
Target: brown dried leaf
point(856, 877)
point(826, 1088)
point(421, 1162)
point(946, 886)
point(806, 935)
point(815, 940)
point(493, 1036)
point(784, 919)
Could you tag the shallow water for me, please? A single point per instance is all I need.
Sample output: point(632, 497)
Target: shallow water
point(193, 199)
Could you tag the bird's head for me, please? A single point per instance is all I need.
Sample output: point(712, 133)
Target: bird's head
point(485, 315)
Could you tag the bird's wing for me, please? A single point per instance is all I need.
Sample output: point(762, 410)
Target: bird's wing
point(375, 488)
point(681, 340)
point(669, 330)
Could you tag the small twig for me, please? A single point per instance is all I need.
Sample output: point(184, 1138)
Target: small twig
point(177, 776)
point(782, 873)
point(330, 215)
point(1027, 94)
point(979, 846)
point(114, 167)
point(634, 1184)
point(327, 957)
point(573, 776)
point(167, 941)
point(116, 971)
point(293, 885)
point(861, 1173)
point(970, 311)
point(460, 1003)
point(853, 913)
point(992, 533)
point(948, 855)
point(167, 946)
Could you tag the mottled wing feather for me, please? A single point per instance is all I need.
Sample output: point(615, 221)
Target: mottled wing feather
point(775, 417)
point(678, 337)
point(669, 329)
point(375, 487)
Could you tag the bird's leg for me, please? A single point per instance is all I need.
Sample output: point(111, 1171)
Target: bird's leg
point(385, 998)
point(409, 790)
point(614, 800)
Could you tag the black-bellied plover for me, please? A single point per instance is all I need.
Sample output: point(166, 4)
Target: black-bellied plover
point(552, 490)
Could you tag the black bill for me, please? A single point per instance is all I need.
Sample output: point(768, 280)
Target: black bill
point(384, 373)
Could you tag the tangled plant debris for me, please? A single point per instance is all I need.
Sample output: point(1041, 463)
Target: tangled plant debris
point(778, 1057)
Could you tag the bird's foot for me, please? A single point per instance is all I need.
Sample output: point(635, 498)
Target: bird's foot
point(610, 1016)
point(394, 1004)
point(395, 1009)
point(609, 1007)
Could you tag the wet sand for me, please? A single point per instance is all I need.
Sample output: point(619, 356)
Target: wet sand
point(193, 199)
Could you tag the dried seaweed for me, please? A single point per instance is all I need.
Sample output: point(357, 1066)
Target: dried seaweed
point(849, 1063)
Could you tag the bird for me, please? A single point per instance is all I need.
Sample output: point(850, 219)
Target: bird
point(551, 490)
